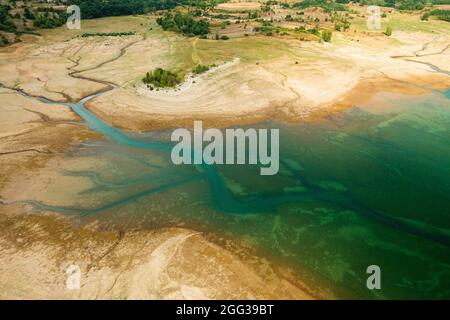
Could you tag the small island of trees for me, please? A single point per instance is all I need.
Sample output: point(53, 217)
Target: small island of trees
point(161, 78)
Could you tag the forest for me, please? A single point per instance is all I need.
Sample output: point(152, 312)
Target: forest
point(101, 8)
point(183, 23)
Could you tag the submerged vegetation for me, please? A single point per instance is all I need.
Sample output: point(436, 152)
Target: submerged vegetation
point(161, 78)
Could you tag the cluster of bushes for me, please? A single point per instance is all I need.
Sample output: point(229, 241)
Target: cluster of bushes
point(6, 21)
point(340, 22)
point(326, 35)
point(438, 13)
point(3, 40)
point(314, 31)
point(100, 8)
point(253, 15)
point(218, 37)
point(28, 14)
point(327, 5)
point(202, 68)
point(92, 9)
point(267, 29)
point(183, 23)
point(50, 19)
point(221, 16)
point(161, 78)
point(108, 34)
point(47, 18)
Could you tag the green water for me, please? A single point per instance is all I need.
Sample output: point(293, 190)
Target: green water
point(370, 185)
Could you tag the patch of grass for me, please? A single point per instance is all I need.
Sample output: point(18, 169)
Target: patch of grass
point(412, 23)
point(249, 49)
point(102, 25)
point(403, 22)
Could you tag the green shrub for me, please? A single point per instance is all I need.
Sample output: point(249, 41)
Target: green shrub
point(326, 35)
point(388, 31)
point(200, 69)
point(3, 40)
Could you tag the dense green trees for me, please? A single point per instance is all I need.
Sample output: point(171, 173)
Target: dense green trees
point(6, 21)
point(162, 78)
point(50, 19)
point(3, 40)
point(438, 13)
point(183, 23)
point(28, 14)
point(327, 5)
point(105, 8)
point(45, 18)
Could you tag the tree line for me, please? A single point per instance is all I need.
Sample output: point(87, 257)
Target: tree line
point(183, 23)
point(91, 9)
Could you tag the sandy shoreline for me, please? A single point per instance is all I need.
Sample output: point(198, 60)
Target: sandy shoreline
point(162, 264)
point(281, 89)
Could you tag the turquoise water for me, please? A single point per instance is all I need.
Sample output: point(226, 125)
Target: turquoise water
point(370, 185)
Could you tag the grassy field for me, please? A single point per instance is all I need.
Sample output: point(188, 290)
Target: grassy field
point(404, 22)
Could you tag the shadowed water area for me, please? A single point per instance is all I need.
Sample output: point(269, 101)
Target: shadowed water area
point(370, 185)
